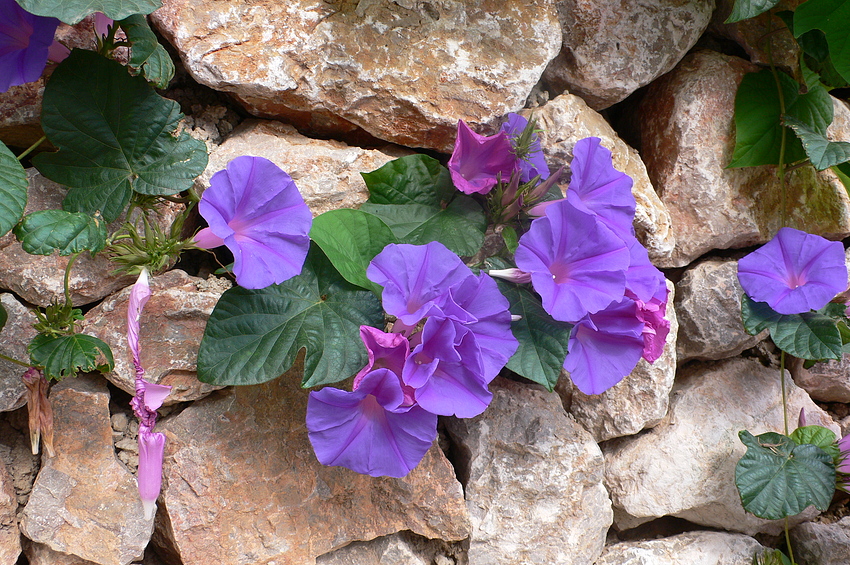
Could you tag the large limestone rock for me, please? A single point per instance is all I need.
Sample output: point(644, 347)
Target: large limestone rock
point(403, 71)
point(172, 326)
point(685, 466)
point(691, 548)
point(14, 339)
point(637, 402)
point(751, 34)
point(566, 119)
point(84, 501)
point(822, 544)
point(327, 173)
point(244, 487)
point(708, 302)
point(612, 48)
point(828, 381)
point(10, 536)
point(687, 139)
point(533, 481)
point(402, 548)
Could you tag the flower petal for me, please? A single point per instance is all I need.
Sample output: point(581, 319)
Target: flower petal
point(151, 449)
point(478, 160)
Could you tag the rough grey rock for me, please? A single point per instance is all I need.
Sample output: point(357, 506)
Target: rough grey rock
point(403, 548)
point(532, 481)
point(10, 535)
point(14, 339)
point(822, 544)
point(690, 548)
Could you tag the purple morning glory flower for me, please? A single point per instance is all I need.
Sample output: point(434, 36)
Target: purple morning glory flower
point(255, 209)
point(369, 430)
point(597, 187)
point(577, 265)
point(534, 163)
point(25, 40)
point(656, 327)
point(479, 160)
point(604, 347)
point(794, 272)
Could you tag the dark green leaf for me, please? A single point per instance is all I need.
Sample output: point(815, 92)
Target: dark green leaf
point(746, 9)
point(414, 179)
point(254, 336)
point(831, 17)
point(350, 239)
point(542, 340)
point(65, 355)
point(819, 436)
point(4, 316)
point(778, 478)
point(72, 11)
point(757, 118)
point(810, 335)
point(843, 173)
point(45, 231)
point(460, 226)
point(511, 238)
point(146, 54)
point(115, 135)
point(822, 152)
point(13, 190)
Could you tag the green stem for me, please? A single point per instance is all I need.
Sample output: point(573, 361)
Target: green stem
point(67, 280)
point(32, 147)
point(788, 543)
point(13, 360)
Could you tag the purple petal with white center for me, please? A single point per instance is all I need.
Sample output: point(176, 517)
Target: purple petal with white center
point(596, 186)
point(535, 162)
point(256, 209)
point(794, 272)
point(417, 280)
point(577, 264)
point(479, 160)
point(151, 449)
point(605, 347)
point(25, 40)
point(354, 430)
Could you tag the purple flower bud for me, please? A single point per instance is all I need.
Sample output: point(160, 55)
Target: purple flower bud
point(151, 449)
point(255, 209)
point(534, 162)
point(25, 40)
point(513, 275)
point(139, 295)
point(794, 272)
point(478, 161)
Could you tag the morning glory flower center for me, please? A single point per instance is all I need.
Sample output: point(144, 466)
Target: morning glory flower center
point(560, 272)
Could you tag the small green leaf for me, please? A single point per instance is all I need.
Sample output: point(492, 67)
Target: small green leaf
point(13, 190)
point(65, 355)
point(843, 173)
point(460, 226)
point(831, 17)
point(746, 9)
point(510, 238)
point(254, 336)
point(350, 239)
point(758, 128)
point(72, 11)
point(146, 54)
point(542, 340)
point(777, 478)
point(819, 436)
point(414, 179)
point(822, 152)
point(4, 316)
point(115, 135)
point(45, 231)
point(810, 335)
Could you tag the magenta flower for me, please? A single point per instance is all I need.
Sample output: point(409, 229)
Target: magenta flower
point(656, 327)
point(478, 161)
point(255, 209)
point(25, 40)
point(577, 265)
point(794, 272)
point(370, 430)
point(605, 347)
point(149, 397)
point(534, 162)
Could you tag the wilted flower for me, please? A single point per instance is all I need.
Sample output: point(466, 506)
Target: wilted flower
point(39, 410)
point(526, 144)
point(794, 272)
point(577, 265)
point(255, 209)
point(25, 40)
point(478, 161)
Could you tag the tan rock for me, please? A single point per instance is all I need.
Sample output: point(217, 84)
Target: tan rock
point(687, 140)
point(637, 402)
point(172, 326)
point(612, 48)
point(84, 501)
point(690, 548)
point(14, 339)
point(40, 554)
point(10, 536)
point(327, 173)
point(567, 119)
point(824, 544)
point(751, 33)
point(403, 71)
point(244, 486)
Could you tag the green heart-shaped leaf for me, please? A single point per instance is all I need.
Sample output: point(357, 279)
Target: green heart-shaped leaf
point(115, 134)
point(819, 436)
point(72, 11)
point(65, 355)
point(13, 190)
point(45, 231)
point(746, 9)
point(146, 54)
point(414, 179)
point(254, 336)
point(777, 478)
point(831, 17)
point(822, 152)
